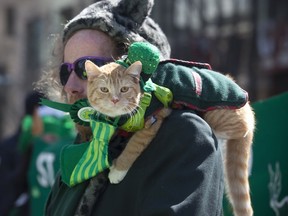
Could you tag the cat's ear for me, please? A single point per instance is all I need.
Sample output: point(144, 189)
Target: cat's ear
point(91, 69)
point(135, 69)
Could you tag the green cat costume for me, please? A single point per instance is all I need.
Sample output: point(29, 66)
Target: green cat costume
point(197, 89)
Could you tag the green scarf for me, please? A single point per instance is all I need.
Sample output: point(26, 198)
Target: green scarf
point(95, 158)
point(84, 161)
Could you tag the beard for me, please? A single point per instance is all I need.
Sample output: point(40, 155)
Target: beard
point(85, 132)
point(73, 98)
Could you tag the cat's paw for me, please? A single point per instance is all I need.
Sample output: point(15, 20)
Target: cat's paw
point(115, 176)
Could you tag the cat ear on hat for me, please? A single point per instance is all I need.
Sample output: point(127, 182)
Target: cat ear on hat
point(136, 10)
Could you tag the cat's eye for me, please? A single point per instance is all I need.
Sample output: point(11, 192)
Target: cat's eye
point(124, 89)
point(104, 89)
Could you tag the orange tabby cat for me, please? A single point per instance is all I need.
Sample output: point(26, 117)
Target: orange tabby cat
point(114, 90)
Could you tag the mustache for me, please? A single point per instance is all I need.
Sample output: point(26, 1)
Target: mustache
point(73, 98)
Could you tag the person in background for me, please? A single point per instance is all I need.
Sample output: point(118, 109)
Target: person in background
point(44, 131)
point(14, 166)
point(9, 163)
point(180, 173)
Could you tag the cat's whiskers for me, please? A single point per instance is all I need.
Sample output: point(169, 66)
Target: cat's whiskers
point(133, 109)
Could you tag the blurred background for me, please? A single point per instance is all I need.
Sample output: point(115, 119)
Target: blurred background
point(248, 39)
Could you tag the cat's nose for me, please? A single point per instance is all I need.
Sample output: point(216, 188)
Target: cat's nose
point(115, 100)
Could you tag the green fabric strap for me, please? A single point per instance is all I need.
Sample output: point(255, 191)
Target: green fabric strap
point(95, 158)
point(163, 94)
point(136, 122)
point(56, 105)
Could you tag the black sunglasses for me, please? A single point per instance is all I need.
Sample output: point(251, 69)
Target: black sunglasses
point(79, 67)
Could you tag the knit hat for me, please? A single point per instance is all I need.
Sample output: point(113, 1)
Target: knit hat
point(124, 21)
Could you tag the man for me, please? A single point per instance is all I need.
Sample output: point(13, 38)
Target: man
point(180, 173)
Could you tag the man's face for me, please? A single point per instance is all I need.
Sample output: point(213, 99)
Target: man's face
point(84, 43)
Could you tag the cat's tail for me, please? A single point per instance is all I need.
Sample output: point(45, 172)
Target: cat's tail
point(236, 170)
point(237, 128)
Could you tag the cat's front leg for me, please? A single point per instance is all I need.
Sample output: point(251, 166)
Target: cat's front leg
point(116, 176)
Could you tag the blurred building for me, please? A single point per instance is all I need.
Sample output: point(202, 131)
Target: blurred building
point(247, 39)
point(26, 34)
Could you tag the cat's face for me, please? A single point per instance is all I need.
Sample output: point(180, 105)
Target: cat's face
point(112, 89)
